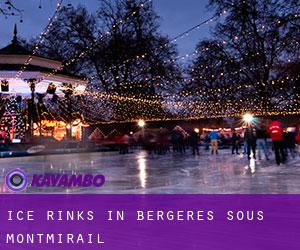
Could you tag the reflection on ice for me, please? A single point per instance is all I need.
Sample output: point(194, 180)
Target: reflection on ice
point(141, 159)
point(252, 165)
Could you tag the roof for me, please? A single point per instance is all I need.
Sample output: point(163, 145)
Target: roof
point(14, 53)
point(18, 67)
point(14, 48)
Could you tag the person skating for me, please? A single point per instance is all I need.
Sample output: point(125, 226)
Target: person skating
point(261, 136)
point(250, 139)
point(235, 139)
point(276, 134)
point(214, 141)
point(194, 140)
point(206, 141)
point(290, 143)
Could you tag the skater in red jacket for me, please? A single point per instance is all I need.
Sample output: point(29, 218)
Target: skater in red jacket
point(276, 134)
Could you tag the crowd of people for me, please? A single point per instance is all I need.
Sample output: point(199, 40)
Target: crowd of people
point(253, 140)
point(284, 142)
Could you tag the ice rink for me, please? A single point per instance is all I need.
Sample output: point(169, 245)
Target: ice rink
point(141, 173)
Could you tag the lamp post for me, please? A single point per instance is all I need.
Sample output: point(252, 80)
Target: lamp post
point(32, 84)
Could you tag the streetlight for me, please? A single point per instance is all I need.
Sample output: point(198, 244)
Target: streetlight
point(141, 123)
point(197, 130)
point(248, 118)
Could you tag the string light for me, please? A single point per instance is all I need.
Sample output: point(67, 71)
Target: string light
point(41, 39)
point(185, 103)
point(91, 46)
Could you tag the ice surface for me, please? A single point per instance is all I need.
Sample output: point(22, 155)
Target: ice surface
point(141, 173)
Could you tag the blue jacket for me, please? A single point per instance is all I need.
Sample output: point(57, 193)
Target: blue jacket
point(213, 135)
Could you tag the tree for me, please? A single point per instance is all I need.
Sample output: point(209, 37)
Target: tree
point(213, 79)
point(8, 8)
point(136, 56)
point(250, 44)
point(121, 48)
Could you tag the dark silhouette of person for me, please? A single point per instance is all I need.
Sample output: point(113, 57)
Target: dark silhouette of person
point(194, 140)
point(235, 139)
point(250, 138)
